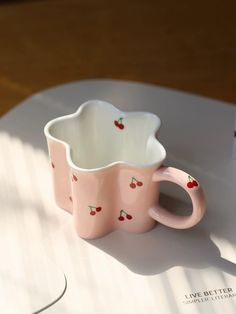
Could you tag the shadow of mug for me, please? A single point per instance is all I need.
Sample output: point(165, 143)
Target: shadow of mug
point(162, 248)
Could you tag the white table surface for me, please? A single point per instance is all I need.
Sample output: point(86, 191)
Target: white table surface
point(119, 273)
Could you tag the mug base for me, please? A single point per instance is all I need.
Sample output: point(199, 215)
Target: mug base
point(103, 234)
point(93, 237)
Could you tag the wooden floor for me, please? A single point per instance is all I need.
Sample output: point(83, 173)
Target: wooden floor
point(190, 47)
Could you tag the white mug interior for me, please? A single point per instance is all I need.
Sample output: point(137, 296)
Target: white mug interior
point(95, 138)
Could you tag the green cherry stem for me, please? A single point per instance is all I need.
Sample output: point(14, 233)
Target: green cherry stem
point(91, 207)
point(120, 120)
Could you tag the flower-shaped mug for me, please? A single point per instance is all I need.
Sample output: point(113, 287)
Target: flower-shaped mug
point(107, 168)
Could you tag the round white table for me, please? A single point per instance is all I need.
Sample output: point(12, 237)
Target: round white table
point(157, 272)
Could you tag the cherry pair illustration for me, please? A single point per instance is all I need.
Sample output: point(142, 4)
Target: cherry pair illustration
point(124, 215)
point(74, 178)
point(135, 182)
point(119, 124)
point(94, 210)
point(191, 183)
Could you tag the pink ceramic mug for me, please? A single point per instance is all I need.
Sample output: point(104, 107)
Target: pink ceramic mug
point(107, 168)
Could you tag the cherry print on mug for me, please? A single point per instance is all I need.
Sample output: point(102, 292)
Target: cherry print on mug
point(119, 123)
point(70, 179)
point(124, 215)
point(135, 182)
point(191, 182)
point(74, 178)
point(94, 210)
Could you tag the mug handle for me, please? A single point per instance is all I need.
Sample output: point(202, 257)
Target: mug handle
point(192, 187)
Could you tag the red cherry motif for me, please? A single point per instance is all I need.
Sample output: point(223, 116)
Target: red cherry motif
point(132, 185)
point(123, 215)
point(121, 218)
point(118, 123)
point(135, 182)
point(94, 209)
point(74, 178)
point(191, 183)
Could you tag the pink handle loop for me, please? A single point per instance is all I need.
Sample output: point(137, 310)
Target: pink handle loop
point(192, 187)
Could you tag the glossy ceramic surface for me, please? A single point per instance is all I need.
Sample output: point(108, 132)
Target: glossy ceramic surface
point(107, 166)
